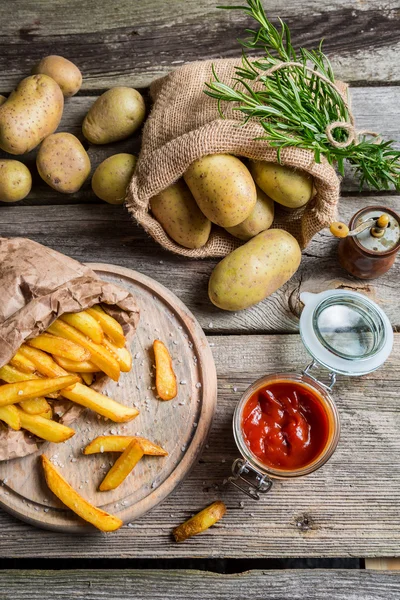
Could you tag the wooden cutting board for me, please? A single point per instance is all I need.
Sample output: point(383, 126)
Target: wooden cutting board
point(180, 426)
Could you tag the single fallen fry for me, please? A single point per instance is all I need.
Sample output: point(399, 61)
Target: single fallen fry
point(86, 324)
point(100, 356)
point(10, 415)
point(119, 443)
point(35, 406)
point(11, 393)
point(109, 325)
point(122, 466)
point(48, 430)
point(70, 497)
point(44, 363)
point(200, 522)
point(87, 378)
point(12, 375)
point(122, 355)
point(59, 346)
point(103, 405)
point(165, 376)
point(84, 366)
point(19, 361)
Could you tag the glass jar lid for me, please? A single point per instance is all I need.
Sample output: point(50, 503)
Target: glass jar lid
point(345, 331)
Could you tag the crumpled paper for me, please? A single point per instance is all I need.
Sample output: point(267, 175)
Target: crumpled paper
point(37, 285)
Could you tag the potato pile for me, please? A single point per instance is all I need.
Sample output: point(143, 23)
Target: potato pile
point(220, 189)
point(33, 112)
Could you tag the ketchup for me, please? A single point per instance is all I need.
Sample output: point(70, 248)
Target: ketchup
point(285, 425)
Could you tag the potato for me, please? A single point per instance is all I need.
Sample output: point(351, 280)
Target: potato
point(259, 219)
point(287, 186)
point(177, 211)
point(63, 162)
point(114, 116)
point(255, 270)
point(15, 180)
point(112, 177)
point(63, 71)
point(2, 99)
point(223, 188)
point(31, 113)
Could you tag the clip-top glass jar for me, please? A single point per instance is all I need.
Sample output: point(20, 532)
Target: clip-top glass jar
point(287, 424)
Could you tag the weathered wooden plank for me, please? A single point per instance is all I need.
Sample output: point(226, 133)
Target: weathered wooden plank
point(383, 564)
point(182, 584)
point(349, 508)
point(136, 42)
point(104, 233)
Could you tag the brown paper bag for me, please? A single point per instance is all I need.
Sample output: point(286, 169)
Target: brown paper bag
point(37, 285)
point(184, 125)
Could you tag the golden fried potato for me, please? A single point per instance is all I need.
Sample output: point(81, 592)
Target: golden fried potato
point(81, 367)
point(119, 443)
point(10, 416)
point(200, 522)
point(11, 393)
point(103, 405)
point(19, 361)
point(122, 355)
point(122, 466)
point(86, 324)
point(45, 428)
point(165, 377)
point(35, 406)
point(59, 346)
point(110, 326)
point(45, 364)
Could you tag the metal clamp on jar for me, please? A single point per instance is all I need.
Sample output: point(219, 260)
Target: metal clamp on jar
point(287, 424)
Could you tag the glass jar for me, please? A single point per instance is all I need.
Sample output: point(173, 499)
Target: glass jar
point(344, 332)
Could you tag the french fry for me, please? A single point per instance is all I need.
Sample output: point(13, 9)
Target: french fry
point(11, 393)
point(70, 497)
point(87, 378)
point(200, 522)
point(86, 396)
point(109, 325)
point(59, 346)
point(46, 429)
point(119, 443)
point(86, 324)
point(48, 414)
point(122, 466)
point(165, 376)
point(19, 361)
point(35, 406)
point(122, 355)
point(10, 415)
point(12, 375)
point(45, 364)
point(100, 356)
point(84, 366)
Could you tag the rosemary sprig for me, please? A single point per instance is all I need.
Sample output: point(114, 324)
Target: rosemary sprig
point(295, 106)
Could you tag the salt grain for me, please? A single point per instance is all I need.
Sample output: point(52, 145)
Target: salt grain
point(198, 385)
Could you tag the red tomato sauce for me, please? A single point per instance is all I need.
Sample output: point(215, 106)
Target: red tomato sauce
point(285, 425)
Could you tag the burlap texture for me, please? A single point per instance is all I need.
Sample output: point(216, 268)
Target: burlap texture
point(184, 125)
point(37, 285)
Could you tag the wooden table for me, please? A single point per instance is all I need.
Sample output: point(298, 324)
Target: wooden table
point(350, 508)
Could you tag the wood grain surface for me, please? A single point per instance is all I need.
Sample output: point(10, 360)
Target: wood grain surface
point(125, 42)
point(348, 508)
point(180, 585)
point(180, 426)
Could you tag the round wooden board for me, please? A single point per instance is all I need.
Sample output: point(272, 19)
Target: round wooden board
point(180, 426)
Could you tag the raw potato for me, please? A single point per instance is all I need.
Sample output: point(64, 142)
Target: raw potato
point(200, 522)
point(63, 71)
point(114, 116)
point(223, 188)
point(287, 186)
point(15, 180)
point(255, 270)
point(176, 210)
point(112, 177)
point(32, 112)
point(2, 99)
point(260, 218)
point(63, 163)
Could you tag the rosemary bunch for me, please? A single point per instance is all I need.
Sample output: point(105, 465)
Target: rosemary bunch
point(295, 106)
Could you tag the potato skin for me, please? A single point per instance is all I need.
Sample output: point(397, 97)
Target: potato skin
point(260, 218)
point(2, 99)
point(112, 177)
point(31, 113)
point(114, 116)
point(63, 162)
point(287, 186)
point(177, 211)
point(223, 188)
point(255, 270)
point(15, 180)
point(63, 71)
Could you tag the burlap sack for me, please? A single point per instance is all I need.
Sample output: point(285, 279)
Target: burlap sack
point(184, 125)
point(37, 285)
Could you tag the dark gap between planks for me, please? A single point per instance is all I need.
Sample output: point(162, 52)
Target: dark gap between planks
point(215, 565)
